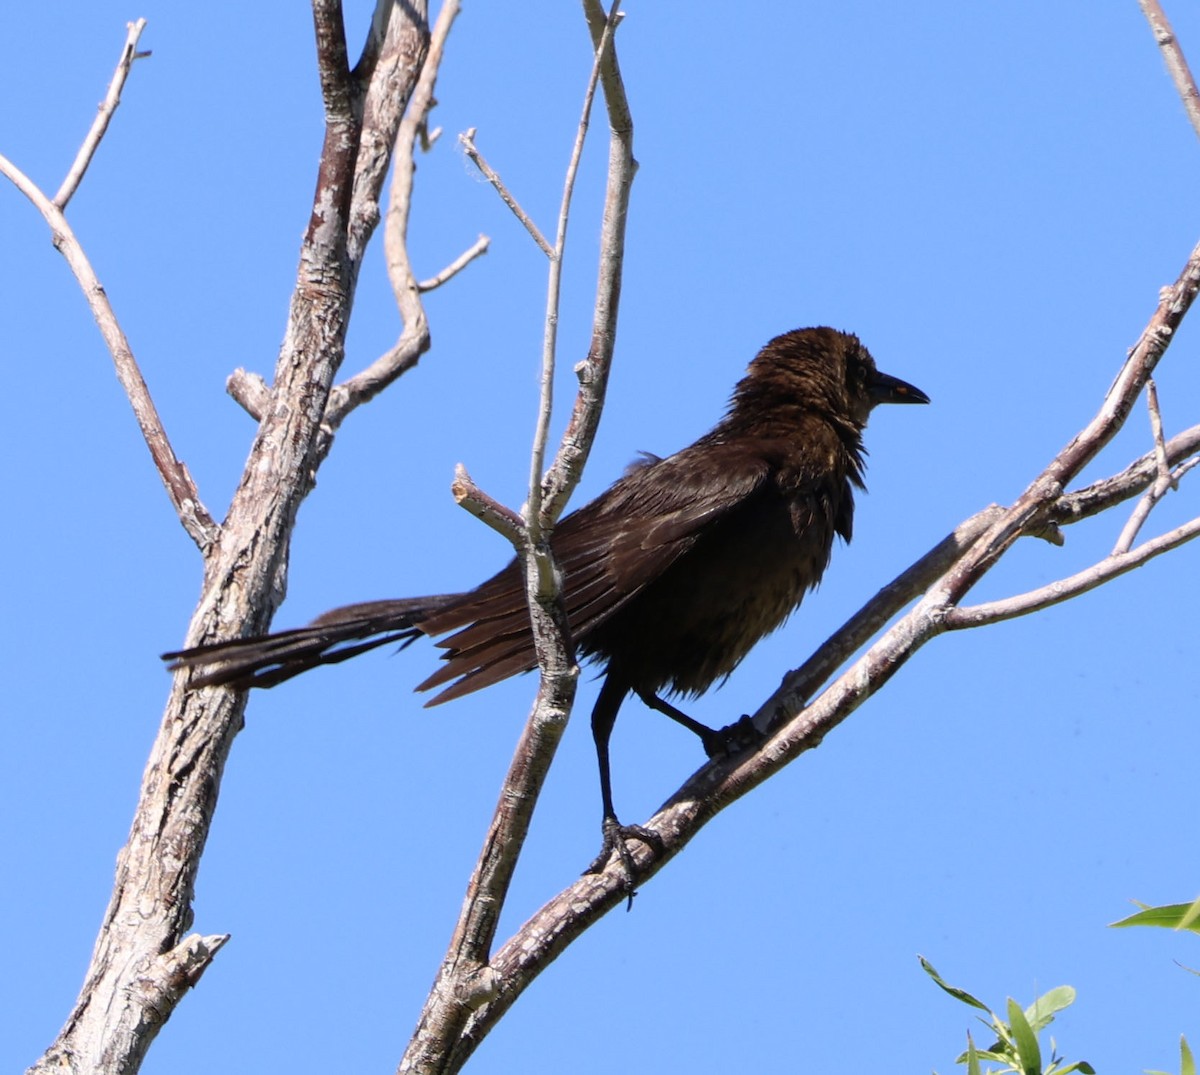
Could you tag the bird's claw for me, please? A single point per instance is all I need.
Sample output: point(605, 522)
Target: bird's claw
point(732, 739)
point(615, 835)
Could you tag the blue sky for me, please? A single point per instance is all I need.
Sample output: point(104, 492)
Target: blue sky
point(989, 195)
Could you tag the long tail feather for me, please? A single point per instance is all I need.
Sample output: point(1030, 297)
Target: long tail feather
point(337, 636)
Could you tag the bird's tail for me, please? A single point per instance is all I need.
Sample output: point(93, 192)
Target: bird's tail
point(335, 636)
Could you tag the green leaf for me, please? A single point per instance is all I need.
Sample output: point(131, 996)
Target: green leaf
point(987, 1054)
point(1191, 915)
point(1169, 916)
point(972, 1056)
point(954, 991)
point(1042, 1011)
point(1027, 1044)
point(1187, 1064)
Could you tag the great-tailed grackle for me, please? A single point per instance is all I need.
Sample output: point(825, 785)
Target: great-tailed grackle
point(669, 577)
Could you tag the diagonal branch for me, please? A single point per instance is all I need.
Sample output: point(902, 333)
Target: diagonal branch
point(1177, 65)
point(486, 508)
point(104, 115)
point(175, 477)
point(467, 141)
point(802, 683)
point(475, 250)
point(1103, 494)
point(333, 64)
point(1034, 507)
point(1112, 566)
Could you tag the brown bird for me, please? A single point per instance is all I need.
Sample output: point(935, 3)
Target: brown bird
point(670, 576)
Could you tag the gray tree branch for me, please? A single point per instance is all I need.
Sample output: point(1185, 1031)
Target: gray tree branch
point(143, 961)
point(175, 477)
point(466, 981)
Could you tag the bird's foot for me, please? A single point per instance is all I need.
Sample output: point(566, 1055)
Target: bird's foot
point(732, 739)
point(615, 835)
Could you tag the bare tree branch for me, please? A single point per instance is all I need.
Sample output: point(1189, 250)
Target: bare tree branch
point(1103, 494)
point(467, 141)
point(388, 86)
point(1118, 563)
point(502, 519)
point(465, 981)
point(1156, 428)
point(251, 391)
point(143, 962)
point(592, 372)
point(475, 250)
point(333, 64)
point(178, 482)
point(533, 514)
point(1162, 484)
point(414, 338)
point(104, 115)
point(1177, 64)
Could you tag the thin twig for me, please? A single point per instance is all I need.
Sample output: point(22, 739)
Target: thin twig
point(1177, 64)
point(533, 509)
point(1183, 468)
point(467, 141)
point(414, 339)
point(592, 372)
point(486, 508)
point(250, 390)
point(1139, 475)
point(180, 488)
point(1163, 482)
point(104, 114)
point(1156, 429)
point(475, 250)
point(1064, 589)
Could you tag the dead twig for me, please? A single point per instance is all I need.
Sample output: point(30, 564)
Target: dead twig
point(104, 115)
point(1177, 65)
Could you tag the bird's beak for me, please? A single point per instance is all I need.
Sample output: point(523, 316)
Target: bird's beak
point(887, 389)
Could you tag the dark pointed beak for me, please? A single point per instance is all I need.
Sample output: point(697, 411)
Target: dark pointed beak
point(887, 389)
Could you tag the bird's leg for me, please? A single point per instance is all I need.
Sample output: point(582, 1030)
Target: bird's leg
point(718, 742)
point(604, 716)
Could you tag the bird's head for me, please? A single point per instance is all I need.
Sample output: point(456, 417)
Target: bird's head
point(822, 370)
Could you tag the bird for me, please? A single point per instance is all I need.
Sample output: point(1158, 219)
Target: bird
point(669, 577)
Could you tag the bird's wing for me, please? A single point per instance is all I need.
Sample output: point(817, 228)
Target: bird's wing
point(646, 525)
point(608, 551)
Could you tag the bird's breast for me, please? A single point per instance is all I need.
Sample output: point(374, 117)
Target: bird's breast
point(738, 582)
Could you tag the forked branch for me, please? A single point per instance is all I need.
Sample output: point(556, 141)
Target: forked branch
point(466, 981)
point(175, 477)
